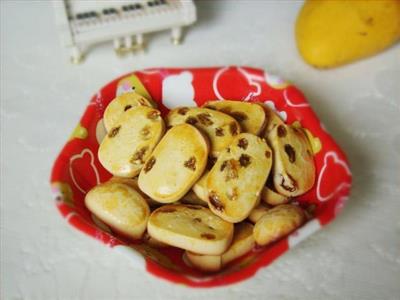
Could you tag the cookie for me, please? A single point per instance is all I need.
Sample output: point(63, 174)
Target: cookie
point(119, 206)
point(294, 168)
point(199, 188)
point(273, 198)
point(205, 263)
point(192, 198)
point(130, 142)
point(190, 227)
point(251, 116)
point(121, 104)
point(175, 165)
point(258, 212)
point(235, 182)
point(219, 127)
point(273, 120)
point(133, 182)
point(277, 223)
point(242, 242)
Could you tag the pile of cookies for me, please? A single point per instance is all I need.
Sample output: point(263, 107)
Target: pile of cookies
point(214, 180)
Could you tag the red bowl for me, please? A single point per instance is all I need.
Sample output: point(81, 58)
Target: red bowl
point(77, 168)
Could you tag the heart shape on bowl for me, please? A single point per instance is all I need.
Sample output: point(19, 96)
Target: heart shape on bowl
point(77, 169)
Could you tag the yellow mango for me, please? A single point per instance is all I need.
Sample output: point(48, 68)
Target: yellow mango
point(331, 33)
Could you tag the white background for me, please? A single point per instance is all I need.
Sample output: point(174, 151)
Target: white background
point(43, 96)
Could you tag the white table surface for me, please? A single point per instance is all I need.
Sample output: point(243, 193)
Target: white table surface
point(42, 97)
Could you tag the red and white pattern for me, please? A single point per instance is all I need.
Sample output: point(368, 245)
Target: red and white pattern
point(77, 168)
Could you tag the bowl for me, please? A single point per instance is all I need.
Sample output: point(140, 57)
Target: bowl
point(77, 169)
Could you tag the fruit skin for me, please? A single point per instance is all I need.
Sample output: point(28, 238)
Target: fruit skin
point(332, 33)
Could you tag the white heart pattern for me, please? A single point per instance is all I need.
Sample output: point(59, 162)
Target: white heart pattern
point(336, 160)
point(71, 170)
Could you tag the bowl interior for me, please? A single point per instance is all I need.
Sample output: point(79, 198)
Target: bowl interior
point(77, 169)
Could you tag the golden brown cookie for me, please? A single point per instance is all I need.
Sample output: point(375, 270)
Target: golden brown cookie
point(175, 165)
point(273, 198)
point(242, 242)
point(119, 206)
point(277, 223)
point(258, 212)
point(200, 188)
point(294, 168)
point(235, 182)
point(219, 127)
point(130, 142)
point(251, 116)
point(273, 120)
point(121, 104)
point(190, 227)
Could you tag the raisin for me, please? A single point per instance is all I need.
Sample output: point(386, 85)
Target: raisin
point(243, 143)
point(239, 116)
point(233, 128)
point(149, 165)
point(281, 131)
point(215, 202)
point(191, 120)
point(225, 110)
point(291, 186)
point(290, 152)
point(152, 115)
point(208, 236)
point(244, 160)
point(137, 158)
point(232, 167)
point(183, 110)
point(267, 154)
point(309, 153)
point(198, 220)
point(114, 131)
point(127, 107)
point(191, 163)
point(204, 119)
point(223, 165)
point(219, 131)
